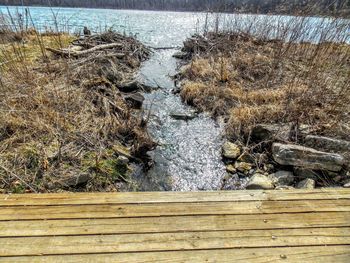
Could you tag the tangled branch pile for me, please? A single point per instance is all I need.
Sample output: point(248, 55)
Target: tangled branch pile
point(65, 122)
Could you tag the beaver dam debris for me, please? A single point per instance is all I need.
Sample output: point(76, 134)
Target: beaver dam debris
point(79, 114)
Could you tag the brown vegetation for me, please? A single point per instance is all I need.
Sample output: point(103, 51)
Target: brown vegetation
point(251, 80)
point(63, 120)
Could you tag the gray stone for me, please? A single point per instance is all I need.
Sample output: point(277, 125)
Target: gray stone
point(330, 145)
point(133, 86)
point(302, 173)
point(267, 132)
point(182, 116)
point(181, 55)
point(295, 155)
point(231, 169)
point(259, 181)
point(243, 167)
point(306, 184)
point(327, 144)
point(280, 178)
point(231, 150)
point(75, 180)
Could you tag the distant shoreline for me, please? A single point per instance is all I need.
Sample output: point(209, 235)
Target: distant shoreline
point(170, 10)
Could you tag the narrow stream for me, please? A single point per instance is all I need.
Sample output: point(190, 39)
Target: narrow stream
point(188, 157)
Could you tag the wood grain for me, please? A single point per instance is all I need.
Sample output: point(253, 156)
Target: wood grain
point(173, 241)
point(322, 254)
point(172, 224)
point(171, 197)
point(172, 209)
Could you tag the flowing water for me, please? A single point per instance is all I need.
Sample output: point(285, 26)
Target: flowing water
point(189, 153)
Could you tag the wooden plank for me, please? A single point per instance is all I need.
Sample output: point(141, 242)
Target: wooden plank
point(170, 209)
point(330, 254)
point(31, 246)
point(173, 224)
point(170, 197)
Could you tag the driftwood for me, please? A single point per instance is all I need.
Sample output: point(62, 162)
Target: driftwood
point(67, 52)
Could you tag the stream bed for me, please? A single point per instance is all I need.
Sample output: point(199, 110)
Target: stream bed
point(188, 157)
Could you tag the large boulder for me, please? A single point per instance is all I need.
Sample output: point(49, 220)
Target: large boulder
point(295, 155)
point(330, 145)
point(260, 181)
point(231, 150)
point(327, 144)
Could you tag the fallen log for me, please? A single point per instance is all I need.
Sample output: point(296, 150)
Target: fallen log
point(68, 52)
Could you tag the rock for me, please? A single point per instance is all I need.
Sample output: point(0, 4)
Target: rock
point(295, 155)
point(231, 169)
point(269, 167)
point(330, 145)
point(259, 181)
point(267, 132)
point(133, 86)
point(243, 167)
point(284, 178)
point(302, 173)
point(75, 180)
point(231, 150)
point(327, 144)
point(181, 55)
point(183, 116)
point(246, 157)
point(123, 159)
point(135, 99)
point(347, 185)
point(306, 184)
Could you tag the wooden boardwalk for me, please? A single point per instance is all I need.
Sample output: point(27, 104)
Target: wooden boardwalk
point(242, 226)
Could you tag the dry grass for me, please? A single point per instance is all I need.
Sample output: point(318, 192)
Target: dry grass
point(60, 119)
point(250, 80)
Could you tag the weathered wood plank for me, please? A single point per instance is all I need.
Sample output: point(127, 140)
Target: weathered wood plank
point(330, 254)
point(173, 224)
point(171, 209)
point(31, 246)
point(171, 197)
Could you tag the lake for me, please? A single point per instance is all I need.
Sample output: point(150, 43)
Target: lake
point(160, 29)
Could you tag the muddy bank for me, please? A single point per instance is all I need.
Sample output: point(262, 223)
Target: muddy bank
point(274, 96)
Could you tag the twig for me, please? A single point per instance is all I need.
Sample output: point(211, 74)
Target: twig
point(13, 174)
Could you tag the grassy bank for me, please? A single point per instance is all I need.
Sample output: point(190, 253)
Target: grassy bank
point(64, 124)
point(270, 90)
point(250, 81)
